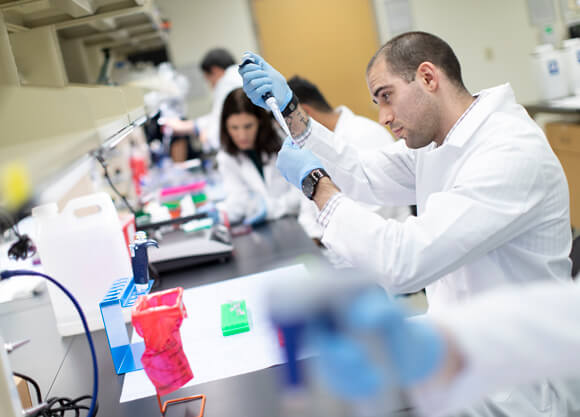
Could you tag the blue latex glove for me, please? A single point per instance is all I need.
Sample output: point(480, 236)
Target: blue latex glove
point(415, 349)
point(259, 78)
point(295, 163)
point(259, 216)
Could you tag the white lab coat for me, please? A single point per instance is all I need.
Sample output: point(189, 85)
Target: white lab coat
point(507, 337)
point(365, 134)
point(210, 123)
point(493, 208)
point(244, 187)
point(492, 205)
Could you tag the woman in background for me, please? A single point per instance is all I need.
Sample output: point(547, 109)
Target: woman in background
point(255, 189)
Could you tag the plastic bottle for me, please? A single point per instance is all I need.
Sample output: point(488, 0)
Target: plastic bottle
point(548, 68)
point(138, 166)
point(83, 248)
point(572, 55)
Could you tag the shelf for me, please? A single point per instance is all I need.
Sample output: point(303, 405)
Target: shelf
point(51, 53)
point(130, 25)
point(54, 42)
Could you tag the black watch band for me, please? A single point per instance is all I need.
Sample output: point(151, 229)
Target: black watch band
point(310, 182)
point(290, 107)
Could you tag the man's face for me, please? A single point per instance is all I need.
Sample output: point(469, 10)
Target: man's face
point(213, 76)
point(407, 108)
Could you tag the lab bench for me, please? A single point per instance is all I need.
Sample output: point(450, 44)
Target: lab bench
point(62, 366)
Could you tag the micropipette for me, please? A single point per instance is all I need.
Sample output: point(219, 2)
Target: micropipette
point(271, 102)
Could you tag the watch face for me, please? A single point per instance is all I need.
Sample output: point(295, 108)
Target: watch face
point(311, 181)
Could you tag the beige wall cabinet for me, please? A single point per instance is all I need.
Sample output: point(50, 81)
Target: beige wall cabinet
point(51, 110)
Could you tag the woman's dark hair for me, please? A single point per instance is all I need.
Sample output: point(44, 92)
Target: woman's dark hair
point(266, 139)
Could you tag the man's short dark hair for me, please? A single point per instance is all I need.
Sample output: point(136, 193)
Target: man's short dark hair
point(217, 57)
point(308, 93)
point(404, 53)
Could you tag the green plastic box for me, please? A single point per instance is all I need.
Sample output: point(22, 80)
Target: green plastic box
point(234, 318)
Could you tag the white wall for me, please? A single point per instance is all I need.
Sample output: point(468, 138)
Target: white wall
point(200, 25)
point(493, 39)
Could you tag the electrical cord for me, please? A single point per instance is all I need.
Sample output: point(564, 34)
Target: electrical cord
point(99, 157)
point(55, 406)
point(93, 406)
point(23, 247)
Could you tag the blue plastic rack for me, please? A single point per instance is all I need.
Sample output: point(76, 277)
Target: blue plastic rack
point(122, 294)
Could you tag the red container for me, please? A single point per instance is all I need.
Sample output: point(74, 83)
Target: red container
point(157, 318)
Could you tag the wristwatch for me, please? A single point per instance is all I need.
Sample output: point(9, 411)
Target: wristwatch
point(290, 107)
point(310, 182)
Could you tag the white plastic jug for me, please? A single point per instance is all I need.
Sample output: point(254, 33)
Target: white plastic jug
point(82, 248)
point(549, 72)
point(572, 55)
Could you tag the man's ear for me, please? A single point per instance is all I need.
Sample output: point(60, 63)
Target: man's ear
point(428, 75)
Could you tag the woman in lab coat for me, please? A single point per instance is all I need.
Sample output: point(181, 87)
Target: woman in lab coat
point(254, 188)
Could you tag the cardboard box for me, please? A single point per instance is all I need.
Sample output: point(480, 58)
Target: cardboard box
point(23, 392)
point(565, 141)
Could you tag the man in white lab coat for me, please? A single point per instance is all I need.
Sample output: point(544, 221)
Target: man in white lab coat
point(361, 132)
point(221, 73)
point(492, 199)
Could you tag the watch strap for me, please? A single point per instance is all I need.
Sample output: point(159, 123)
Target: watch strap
point(290, 107)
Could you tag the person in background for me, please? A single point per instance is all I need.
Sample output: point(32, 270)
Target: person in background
point(361, 132)
point(255, 190)
point(492, 198)
point(219, 70)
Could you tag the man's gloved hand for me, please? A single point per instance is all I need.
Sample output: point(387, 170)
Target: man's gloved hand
point(415, 350)
point(295, 163)
point(259, 216)
point(259, 78)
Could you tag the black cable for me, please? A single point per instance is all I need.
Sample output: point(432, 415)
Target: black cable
point(58, 406)
point(9, 221)
point(33, 383)
point(99, 157)
point(23, 247)
point(6, 274)
point(55, 406)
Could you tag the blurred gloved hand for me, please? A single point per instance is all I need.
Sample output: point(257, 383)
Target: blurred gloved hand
point(295, 163)
point(415, 350)
point(177, 126)
point(259, 78)
point(214, 214)
point(259, 216)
